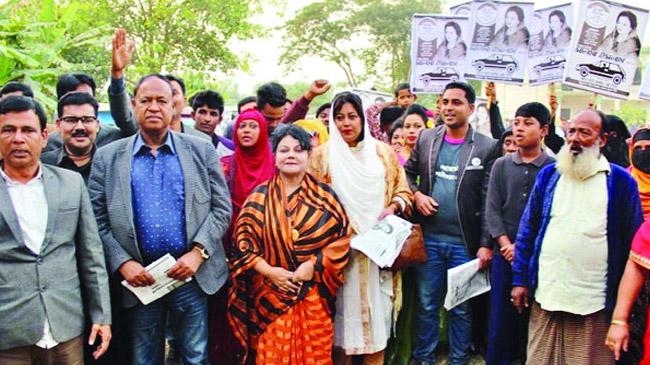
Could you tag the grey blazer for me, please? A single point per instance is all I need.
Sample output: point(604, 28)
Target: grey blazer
point(71, 261)
point(207, 206)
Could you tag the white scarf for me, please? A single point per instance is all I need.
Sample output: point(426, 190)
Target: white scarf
point(358, 176)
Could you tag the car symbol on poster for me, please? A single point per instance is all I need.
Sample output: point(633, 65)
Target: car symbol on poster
point(439, 74)
point(497, 61)
point(551, 63)
point(602, 69)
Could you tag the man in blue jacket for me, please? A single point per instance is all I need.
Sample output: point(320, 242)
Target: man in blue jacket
point(571, 248)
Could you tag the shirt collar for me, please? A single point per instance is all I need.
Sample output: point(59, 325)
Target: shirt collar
point(139, 143)
point(516, 158)
point(64, 154)
point(38, 178)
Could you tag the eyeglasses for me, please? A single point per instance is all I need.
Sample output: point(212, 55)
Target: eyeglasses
point(74, 120)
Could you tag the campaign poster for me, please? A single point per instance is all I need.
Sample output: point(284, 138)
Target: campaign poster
point(605, 50)
point(480, 119)
point(644, 93)
point(464, 9)
point(438, 51)
point(499, 38)
point(550, 40)
point(370, 97)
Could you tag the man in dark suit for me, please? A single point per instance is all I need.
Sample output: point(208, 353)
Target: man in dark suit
point(155, 193)
point(49, 248)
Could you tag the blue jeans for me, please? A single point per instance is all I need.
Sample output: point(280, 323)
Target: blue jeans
point(432, 283)
point(187, 310)
point(508, 330)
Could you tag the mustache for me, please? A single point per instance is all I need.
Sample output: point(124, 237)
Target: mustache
point(79, 133)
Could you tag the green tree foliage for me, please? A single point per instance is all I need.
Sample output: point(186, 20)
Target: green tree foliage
point(37, 41)
point(376, 31)
point(174, 35)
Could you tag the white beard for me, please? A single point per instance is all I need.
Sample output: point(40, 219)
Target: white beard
point(578, 167)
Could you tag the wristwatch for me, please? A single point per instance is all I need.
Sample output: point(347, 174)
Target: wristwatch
point(202, 250)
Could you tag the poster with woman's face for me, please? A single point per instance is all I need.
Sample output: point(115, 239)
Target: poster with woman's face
point(438, 51)
point(604, 52)
point(500, 35)
point(550, 39)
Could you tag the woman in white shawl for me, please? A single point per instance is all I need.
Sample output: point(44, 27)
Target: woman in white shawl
point(367, 177)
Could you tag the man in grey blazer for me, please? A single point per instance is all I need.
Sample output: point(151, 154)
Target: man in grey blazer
point(155, 193)
point(50, 250)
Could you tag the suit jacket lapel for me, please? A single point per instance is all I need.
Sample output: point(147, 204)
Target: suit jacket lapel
point(123, 162)
point(52, 196)
point(184, 152)
point(8, 213)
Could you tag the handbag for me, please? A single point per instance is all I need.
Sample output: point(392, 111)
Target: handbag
point(413, 252)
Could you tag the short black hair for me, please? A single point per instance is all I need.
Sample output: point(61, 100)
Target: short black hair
point(536, 110)
point(294, 131)
point(419, 110)
point(390, 114)
point(246, 100)
point(14, 86)
point(180, 81)
point(146, 77)
point(402, 86)
point(19, 103)
point(354, 99)
point(271, 93)
point(211, 98)
point(470, 95)
point(399, 123)
point(323, 107)
point(76, 98)
point(70, 82)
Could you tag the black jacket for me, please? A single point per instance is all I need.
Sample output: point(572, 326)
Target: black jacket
point(477, 156)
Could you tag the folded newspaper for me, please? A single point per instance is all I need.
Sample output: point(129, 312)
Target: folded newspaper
point(465, 282)
point(163, 285)
point(384, 241)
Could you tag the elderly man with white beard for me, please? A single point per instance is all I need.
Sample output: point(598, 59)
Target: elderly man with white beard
point(571, 248)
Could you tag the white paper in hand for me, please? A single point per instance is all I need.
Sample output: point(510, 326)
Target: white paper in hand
point(163, 285)
point(383, 242)
point(465, 282)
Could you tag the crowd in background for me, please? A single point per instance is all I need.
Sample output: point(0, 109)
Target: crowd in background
point(259, 222)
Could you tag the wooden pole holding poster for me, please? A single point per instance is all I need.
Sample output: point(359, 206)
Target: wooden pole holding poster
point(592, 103)
point(552, 100)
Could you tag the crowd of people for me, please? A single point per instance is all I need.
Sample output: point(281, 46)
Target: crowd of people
point(259, 221)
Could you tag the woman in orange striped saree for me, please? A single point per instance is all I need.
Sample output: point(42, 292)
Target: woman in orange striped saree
point(292, 241)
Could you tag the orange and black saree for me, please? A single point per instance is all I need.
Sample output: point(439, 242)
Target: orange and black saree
point(273, 325)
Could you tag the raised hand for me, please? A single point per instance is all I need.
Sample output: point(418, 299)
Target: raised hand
point(122, 51)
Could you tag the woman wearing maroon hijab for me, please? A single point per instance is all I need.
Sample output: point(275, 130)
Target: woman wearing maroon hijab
point(250, 165)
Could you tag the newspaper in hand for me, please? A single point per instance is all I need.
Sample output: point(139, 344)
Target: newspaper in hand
point(465, 282)
point(384, 241)
point(163, 285)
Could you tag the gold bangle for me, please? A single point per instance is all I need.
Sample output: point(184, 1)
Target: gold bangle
point(620, 322)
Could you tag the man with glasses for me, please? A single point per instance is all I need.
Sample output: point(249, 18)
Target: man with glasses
point(78, 126)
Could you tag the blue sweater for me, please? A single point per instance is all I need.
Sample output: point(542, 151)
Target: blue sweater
point(624, 216)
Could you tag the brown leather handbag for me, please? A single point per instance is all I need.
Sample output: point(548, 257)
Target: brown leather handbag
point(413, 252)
